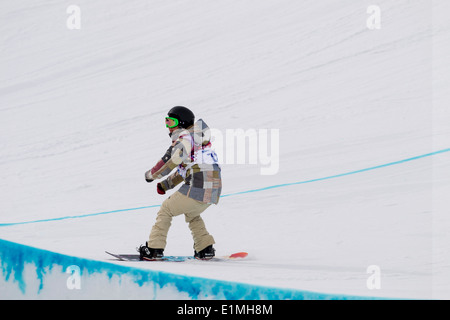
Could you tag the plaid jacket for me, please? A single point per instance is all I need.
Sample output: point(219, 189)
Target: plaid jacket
point(196, 165)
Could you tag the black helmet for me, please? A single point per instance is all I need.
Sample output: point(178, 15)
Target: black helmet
point(185, 116)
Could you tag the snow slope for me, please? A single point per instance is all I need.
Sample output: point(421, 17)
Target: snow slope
point(81, 120)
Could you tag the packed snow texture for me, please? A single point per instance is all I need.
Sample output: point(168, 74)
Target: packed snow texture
point(82, 118)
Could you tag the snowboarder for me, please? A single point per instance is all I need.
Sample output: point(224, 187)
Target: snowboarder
point(197, 165)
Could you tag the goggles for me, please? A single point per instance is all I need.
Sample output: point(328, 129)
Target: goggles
point(171, 122)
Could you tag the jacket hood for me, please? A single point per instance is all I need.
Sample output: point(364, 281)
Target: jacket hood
point(199, 131)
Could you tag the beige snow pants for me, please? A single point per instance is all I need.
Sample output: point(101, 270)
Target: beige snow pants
point(173, 206)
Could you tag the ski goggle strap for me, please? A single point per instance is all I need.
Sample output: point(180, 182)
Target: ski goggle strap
point(171, 122)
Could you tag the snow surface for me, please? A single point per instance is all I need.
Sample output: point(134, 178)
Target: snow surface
point(81, 120)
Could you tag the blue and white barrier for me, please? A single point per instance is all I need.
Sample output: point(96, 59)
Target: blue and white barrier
point(32, 273)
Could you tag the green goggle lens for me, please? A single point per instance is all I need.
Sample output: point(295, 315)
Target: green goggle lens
point(171, 122)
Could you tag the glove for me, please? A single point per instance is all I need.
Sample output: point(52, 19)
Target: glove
point(160, 189)
point(149, 177)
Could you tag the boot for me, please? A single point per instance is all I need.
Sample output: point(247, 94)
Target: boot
point(150, 254)
point(205, 254)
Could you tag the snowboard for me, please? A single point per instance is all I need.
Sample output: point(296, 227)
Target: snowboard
point(135, 257)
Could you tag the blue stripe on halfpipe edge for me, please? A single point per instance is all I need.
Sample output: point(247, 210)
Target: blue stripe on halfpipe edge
point(31, 273)
point(246, 191)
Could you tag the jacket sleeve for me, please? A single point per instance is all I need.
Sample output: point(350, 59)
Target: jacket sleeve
point(178, 152)
point(172, 181)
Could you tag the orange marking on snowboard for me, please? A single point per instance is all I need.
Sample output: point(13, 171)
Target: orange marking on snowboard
point(238, 255)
